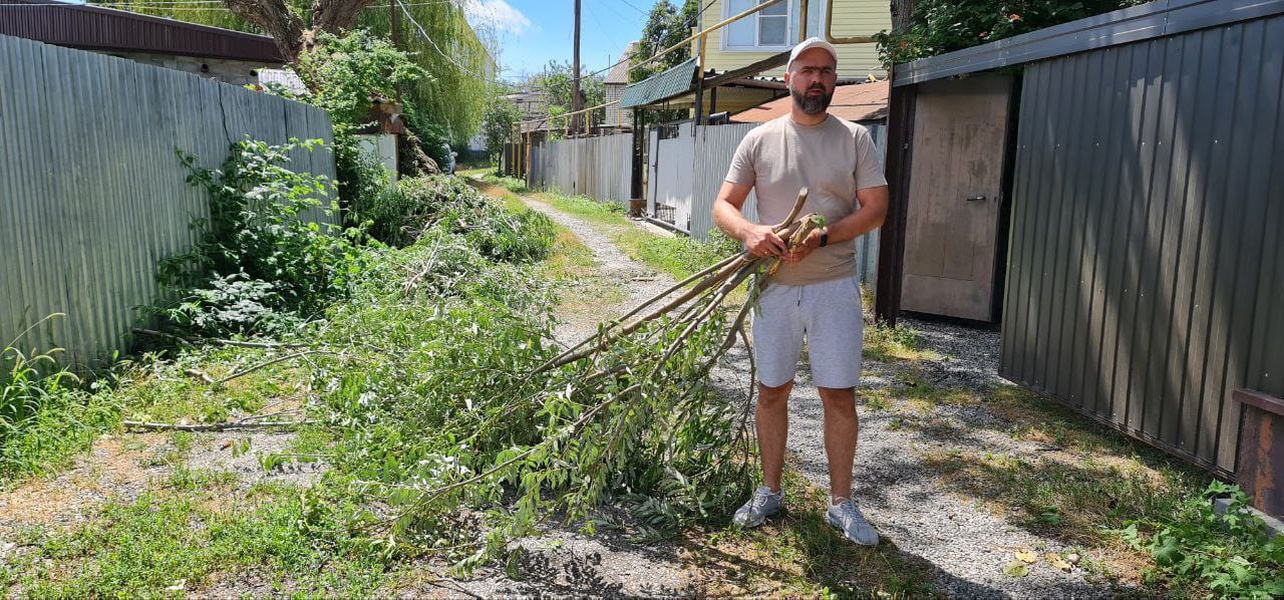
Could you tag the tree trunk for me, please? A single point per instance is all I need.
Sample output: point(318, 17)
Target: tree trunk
point(902, 14)
point(287, 28)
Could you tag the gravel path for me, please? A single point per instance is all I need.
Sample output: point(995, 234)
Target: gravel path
point(967, 544)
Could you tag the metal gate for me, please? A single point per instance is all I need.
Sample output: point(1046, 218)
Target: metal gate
point(673, 154)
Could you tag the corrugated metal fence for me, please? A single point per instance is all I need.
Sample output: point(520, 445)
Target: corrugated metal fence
point(92, 194)
point(1146, 266)
point(599, 167)
point(583, 165)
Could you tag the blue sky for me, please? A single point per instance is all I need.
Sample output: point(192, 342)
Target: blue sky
point(533, 32)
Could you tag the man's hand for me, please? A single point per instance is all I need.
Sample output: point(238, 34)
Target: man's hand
point(800, 251)
point(762, 241)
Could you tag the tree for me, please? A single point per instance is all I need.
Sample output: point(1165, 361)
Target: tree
point(458, 59)
point(940, 26)
point(665, 27)
point(557, 84)
point(285, 23)
point(497, 124)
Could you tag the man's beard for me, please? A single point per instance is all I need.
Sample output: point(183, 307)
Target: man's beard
point(812, 105)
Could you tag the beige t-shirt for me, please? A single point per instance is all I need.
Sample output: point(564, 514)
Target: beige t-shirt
point(832, 160)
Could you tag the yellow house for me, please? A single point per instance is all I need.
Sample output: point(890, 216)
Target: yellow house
point(746, 55)
point(776, 29)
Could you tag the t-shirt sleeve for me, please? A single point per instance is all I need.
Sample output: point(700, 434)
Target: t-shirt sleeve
point(869, 168)
point(742, 171)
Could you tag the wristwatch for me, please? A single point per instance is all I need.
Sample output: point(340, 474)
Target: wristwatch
point(824, 236)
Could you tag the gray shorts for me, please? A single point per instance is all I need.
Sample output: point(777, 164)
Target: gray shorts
point(827, 314)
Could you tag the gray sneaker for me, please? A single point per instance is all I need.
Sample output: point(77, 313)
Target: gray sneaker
point(761, 505)
point(847, 518)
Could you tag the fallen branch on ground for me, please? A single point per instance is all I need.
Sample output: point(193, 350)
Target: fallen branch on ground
point(630, 407)
point(243, 424)
point(220, 342)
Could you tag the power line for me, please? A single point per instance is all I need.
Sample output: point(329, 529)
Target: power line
point(450, 59)
point(593, 14)
point(630, 5)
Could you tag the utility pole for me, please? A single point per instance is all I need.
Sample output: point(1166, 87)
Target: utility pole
point(575, 74)
point(395, 26)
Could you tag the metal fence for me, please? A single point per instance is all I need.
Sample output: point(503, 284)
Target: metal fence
point(599, 167)
point(92, 194)
point(1146, 267)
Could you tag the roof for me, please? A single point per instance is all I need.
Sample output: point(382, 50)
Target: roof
point(1127, 25)
point(620, 72)
point(661, 86)
point(526, 96)
point(855, 102)
point(105, 29)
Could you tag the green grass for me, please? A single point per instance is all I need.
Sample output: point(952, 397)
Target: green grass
point(194, 535)
point(798, 555)
point(46, 418)
point(474, 171)
point(511, 184)
point(677, 256)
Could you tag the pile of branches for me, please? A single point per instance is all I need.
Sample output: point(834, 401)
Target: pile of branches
point(629, 411)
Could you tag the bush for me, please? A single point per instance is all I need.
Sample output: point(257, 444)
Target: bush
point(401, 215)
point(1231, 554)
point(942, 26)
point(259, 265)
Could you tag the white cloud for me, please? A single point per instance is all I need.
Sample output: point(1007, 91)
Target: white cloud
point(497, 14)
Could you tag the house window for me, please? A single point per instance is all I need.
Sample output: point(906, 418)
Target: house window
point(772, 28)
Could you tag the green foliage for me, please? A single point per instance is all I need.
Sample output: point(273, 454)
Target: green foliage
point(512, 184)
point(941, 26)
point(149, 547)
point(557, 83)
point(433, 140)
point(682, 256)
point(348, 72)
point(452, 98)
point(402, 214)
point(45, 417)
point(259, 265)
point(497, 124)
point(1233, 554)
point(665, 27)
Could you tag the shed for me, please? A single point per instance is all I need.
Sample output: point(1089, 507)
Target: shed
point(1109, 192)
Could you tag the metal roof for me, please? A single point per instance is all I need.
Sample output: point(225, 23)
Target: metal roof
point(1133, 24)
point(661, 86)
point(103, 29)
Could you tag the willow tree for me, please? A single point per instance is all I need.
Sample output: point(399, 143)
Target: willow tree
point(450, 101)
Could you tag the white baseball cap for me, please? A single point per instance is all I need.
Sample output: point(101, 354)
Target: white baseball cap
point(808, 44)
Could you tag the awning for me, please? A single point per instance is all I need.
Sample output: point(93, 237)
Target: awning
point(661, 86)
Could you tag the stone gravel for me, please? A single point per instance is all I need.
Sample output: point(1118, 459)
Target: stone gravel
point(967, 544)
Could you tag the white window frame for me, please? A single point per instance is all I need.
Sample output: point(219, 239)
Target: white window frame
point(791, 28)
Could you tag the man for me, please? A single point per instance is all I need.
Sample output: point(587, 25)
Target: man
point(814, 294)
